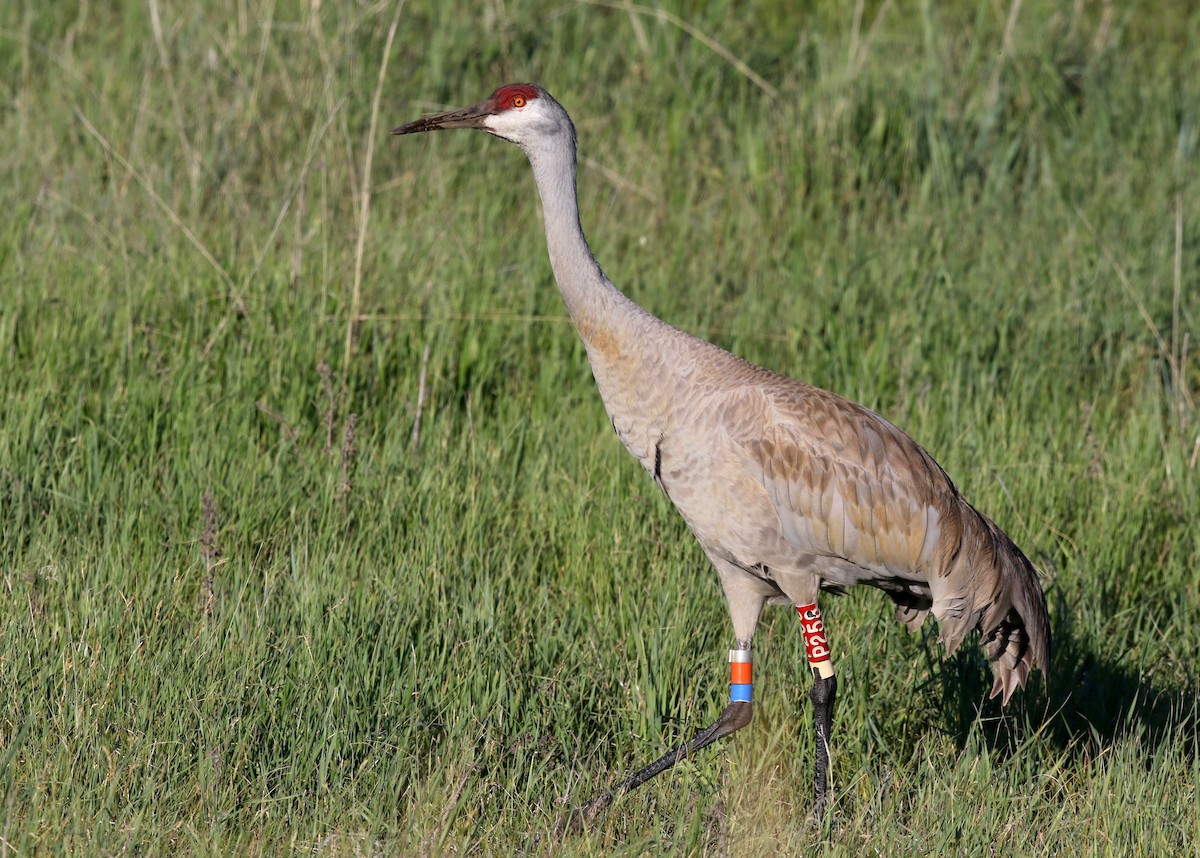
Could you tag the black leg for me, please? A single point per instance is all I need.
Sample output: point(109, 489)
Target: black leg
point(823, 695)
point(733, 717)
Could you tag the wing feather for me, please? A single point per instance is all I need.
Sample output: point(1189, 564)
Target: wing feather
point(856, 492)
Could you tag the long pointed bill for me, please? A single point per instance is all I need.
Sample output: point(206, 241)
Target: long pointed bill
point(467, 117)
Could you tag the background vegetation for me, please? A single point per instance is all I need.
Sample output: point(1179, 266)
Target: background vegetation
point(314, 536)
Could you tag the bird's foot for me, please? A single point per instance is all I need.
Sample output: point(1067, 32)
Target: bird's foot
point(818, 811)
point(583, 816)
point(824, 817)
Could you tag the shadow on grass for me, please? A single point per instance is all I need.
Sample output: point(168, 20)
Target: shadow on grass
point(1092, 700)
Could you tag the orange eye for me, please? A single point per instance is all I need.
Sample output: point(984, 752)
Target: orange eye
point(518, 101)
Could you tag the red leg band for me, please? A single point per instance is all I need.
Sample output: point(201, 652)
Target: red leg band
point(816, 645)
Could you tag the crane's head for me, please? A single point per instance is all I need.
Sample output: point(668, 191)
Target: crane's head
point(522, 113)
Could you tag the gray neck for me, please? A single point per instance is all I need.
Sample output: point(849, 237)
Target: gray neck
point(635, 357)
point(591, 298)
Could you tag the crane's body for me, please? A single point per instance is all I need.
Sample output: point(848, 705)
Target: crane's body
point(789, 489)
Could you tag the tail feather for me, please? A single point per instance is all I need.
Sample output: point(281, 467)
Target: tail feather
point(991, 585)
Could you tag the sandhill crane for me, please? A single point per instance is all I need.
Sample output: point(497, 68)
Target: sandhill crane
point(789, 489)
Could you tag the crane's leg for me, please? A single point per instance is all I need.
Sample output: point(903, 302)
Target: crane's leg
point(823, 695)
point(733, 717)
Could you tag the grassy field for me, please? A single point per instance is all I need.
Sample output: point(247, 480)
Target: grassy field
point(314, 536)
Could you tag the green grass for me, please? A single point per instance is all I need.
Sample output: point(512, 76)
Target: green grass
point(248, 608)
